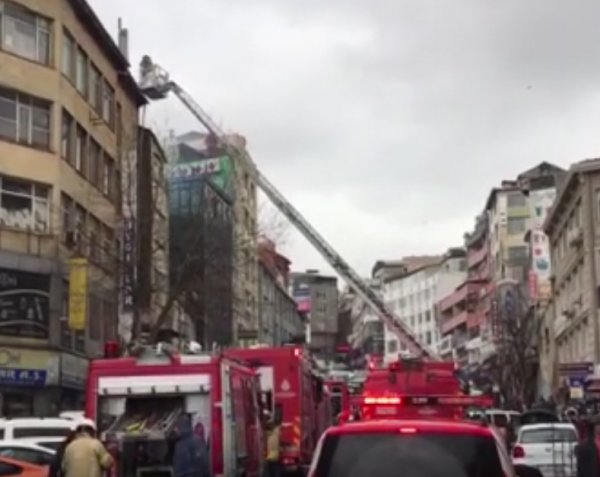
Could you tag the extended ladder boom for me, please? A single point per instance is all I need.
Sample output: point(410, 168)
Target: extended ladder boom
point(156, 84)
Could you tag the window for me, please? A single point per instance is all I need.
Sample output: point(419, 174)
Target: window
point(428, 337)
point(94, 162)
point(24, 119)
point(516, 225)
point(80, 228)
point(24, 432)
point(66, 136)
point(108, 179)
point(67, 61)
point(66, 207)
point(95, 89)
point(9, 470)
point(24, 33)
point(379, 454)
point(95, 240)
point(518, 253)
point(24, 205)
point(428, 316)
point(80, 150)
point(107, 242)
point(516, 199)
point(392, 346)
point(548, 436)
point(81, 72)
point(95, 318)
point(108, 104)
point(31, 456)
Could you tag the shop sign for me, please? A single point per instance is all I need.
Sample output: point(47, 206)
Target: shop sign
point(23, 377)
point(195, 169)
point(128, 273)
point(24, 304)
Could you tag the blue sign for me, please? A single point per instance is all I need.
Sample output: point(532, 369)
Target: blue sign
point(578, 382)
point(23, 377)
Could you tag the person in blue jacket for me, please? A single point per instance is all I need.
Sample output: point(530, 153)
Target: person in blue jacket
point(190, 457)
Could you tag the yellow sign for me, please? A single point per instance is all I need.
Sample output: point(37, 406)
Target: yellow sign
point(78, 278)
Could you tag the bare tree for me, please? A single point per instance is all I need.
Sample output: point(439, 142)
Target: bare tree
point(515, 364)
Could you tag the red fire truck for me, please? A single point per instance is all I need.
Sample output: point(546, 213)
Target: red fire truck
point(293, 394)
point(136, 401)
point(339, 397)
point(416, 389)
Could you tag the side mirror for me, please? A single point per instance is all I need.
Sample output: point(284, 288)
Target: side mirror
point(527, 471)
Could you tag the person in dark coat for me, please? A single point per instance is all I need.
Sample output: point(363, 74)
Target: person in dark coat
point(190, 457)
point(588, 452)
point(55, 469)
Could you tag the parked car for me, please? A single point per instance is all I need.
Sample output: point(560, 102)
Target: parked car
point(550, 447)
point(371, 447)
point(45, 432)
point(26, 452)
point(14, 468)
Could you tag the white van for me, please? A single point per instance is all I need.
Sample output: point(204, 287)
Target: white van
point(46, 432)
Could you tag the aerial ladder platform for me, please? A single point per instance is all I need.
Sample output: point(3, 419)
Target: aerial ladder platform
point(156, 84)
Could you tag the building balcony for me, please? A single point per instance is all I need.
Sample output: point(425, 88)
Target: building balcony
point(450, 324)
point(475, 257)
point(467, 290)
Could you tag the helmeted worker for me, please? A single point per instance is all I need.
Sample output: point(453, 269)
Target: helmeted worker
point(273, 465)
point(85, 455)
point(190, 456)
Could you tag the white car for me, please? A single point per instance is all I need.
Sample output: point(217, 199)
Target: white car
point(46, 432)
point(26, 452)
point(550, 447)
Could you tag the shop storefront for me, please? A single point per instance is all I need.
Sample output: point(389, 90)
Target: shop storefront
point(28, 382)
point(73, 373)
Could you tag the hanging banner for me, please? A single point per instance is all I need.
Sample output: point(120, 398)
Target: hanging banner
point(78, 278)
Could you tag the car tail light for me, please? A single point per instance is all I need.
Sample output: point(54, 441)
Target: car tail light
point(408, 430)
point(518, 452)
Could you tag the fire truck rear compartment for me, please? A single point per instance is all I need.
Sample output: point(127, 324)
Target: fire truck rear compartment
point(142, 427)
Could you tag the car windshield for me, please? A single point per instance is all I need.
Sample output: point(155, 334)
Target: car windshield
point(428, 455)
point(548, 435)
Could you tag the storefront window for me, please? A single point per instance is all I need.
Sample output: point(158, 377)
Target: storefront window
point(16, 404)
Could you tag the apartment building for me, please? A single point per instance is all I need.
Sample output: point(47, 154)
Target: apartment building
point(367, 334)
point(202, 156)
point(321, 294)
point(280, 320)
point(152, 231)
point(414, 292)
point(570, 328)
point(68, 116)
point(201, 255)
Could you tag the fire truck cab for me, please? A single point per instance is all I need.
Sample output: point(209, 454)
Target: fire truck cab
point(415, 389)
point(136, 401)
point(293, 394)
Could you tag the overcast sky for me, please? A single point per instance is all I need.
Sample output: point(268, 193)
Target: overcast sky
point(385, 122)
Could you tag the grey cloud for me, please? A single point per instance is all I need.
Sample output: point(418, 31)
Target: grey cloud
point(409, 110)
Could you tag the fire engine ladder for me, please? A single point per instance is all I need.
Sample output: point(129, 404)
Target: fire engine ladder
point(156, 84)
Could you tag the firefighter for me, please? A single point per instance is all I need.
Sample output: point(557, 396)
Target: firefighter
point(190, 457)
point(85, 455)
point(273, 465)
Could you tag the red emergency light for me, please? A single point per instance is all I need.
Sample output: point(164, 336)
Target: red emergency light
point(111, 349)
point(385, 400)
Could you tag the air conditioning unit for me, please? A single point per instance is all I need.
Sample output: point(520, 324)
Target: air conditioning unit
point(575, 237)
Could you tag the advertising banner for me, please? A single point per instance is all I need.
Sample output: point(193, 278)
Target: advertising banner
point(78, 278)
point(540, 202)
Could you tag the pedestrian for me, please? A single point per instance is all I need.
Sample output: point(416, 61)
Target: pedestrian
point(55, 469)
point(273, 465)
point(190, 457)
point(85, 455)
point(588, 452)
